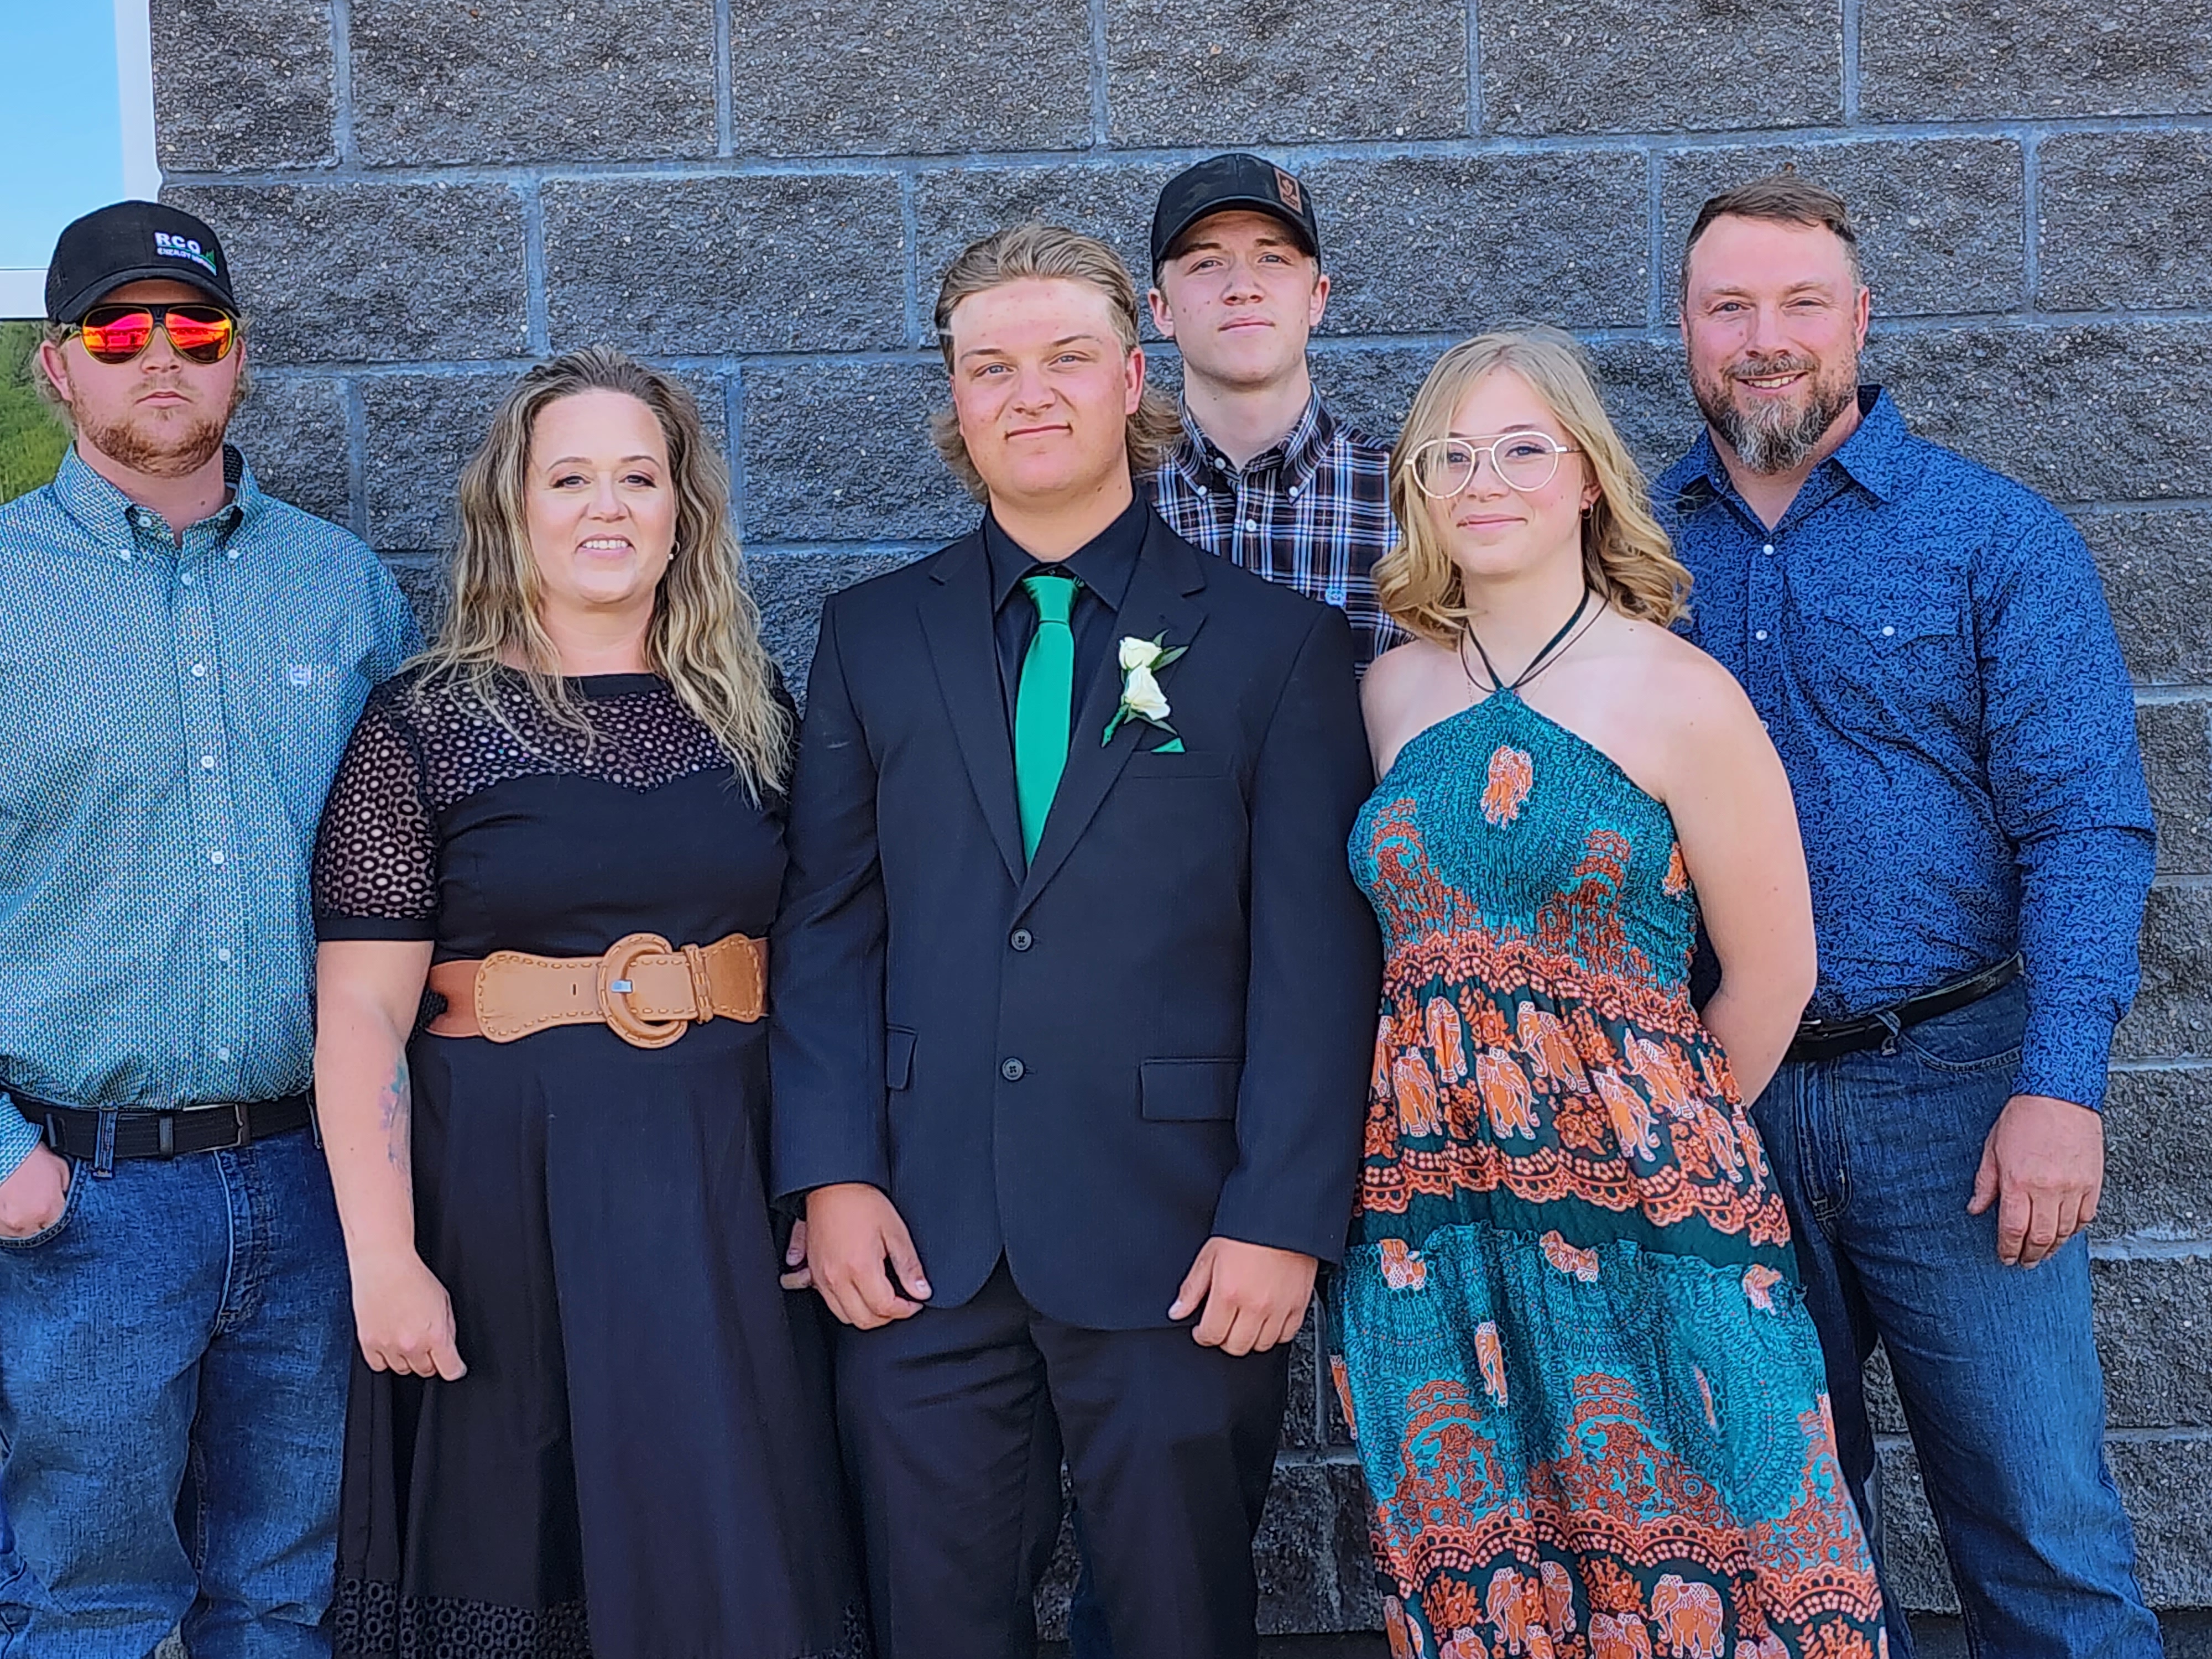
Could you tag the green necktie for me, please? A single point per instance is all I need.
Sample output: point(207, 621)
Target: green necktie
point(1043, 704)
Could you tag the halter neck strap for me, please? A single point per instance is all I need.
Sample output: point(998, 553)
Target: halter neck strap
point(1537, 663)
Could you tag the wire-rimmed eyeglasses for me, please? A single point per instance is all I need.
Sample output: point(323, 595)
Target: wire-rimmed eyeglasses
point(1445, 467)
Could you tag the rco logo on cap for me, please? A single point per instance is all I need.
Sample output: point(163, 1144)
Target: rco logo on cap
point(172, 246)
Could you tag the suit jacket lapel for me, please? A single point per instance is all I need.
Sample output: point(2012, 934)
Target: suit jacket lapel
point(1157, 604)
point(956, 618)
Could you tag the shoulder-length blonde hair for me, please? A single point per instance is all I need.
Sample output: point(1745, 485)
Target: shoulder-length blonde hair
point(1050, 252)
point(704, 637)
point(1626, 557)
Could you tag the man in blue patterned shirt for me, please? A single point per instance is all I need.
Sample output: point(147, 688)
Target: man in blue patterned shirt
point(181, 659)
point(1929, 646)
point(1265, 476)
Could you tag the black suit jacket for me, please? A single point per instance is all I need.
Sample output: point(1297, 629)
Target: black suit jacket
point(1160, 1030)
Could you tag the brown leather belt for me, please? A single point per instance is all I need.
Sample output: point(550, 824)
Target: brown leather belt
point(648, 991)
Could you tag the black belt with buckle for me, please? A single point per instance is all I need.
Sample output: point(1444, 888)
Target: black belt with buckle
point(139, 1132)
point(1826, 1039)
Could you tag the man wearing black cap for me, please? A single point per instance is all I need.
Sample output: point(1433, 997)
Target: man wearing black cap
point(1265, 476)
point(181, 659)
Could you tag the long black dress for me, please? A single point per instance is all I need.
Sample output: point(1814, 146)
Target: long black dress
point(640, 1462)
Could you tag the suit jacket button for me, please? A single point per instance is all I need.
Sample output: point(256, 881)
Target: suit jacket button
point(1022, 940)
point(1013, 1070)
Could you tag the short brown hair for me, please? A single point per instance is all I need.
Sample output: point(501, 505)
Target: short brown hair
point(1626, 558)
point(1782, 199)
point(1049, 252)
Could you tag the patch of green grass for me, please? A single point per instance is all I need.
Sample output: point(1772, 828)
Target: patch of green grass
point(31, 440)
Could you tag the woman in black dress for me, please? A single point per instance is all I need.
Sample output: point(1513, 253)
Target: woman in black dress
point(588, 1421)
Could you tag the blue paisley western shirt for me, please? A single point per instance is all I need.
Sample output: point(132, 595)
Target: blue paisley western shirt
point(1929, 648)
point(170, 717)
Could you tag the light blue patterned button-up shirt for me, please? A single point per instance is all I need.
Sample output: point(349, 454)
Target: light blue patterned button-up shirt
point(170, 717)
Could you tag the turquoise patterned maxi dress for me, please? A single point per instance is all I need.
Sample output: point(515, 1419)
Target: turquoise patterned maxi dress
point(1589, 1400)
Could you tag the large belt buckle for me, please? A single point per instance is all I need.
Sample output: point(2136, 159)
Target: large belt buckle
point(614, 990)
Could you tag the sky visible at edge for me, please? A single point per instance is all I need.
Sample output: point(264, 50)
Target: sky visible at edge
point(61, 141)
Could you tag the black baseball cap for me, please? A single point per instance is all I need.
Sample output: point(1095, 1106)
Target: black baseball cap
point(1231, 181)
point(133, 242)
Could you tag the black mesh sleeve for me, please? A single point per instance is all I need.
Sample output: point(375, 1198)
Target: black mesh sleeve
point(376, 852)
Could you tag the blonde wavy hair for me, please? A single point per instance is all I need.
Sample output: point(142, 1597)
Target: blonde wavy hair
point(1626, 557)
point(704, 637)
point(1048, 251)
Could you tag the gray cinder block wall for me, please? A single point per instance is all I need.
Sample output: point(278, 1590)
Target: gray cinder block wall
point(424, 195)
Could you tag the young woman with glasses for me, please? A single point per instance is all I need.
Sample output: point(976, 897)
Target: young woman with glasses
point(1588, 1401)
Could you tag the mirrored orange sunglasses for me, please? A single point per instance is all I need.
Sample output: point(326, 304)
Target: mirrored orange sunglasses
point(201, 334)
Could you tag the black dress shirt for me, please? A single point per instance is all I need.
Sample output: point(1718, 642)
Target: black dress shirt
point(1102, 567)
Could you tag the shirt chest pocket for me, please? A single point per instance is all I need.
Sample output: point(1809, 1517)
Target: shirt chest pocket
point(303, 705)
point(1890, 655)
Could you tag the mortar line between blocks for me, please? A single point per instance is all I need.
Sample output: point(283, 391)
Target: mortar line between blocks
point(2031, 208)
point(725, 118)
point(1654, 315)
point(1099, 108)
point(356, 441)
point(1850, 64)
point(1474, 69)
point(733, 416)
point(536, 321)
point(1297, 155)
point(342, 137)
point(910, 239)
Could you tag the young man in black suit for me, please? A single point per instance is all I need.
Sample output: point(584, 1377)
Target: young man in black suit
point(1073, 1001)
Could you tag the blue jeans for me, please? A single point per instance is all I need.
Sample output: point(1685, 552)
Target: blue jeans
point(1876, 1155)
point(173, 1361)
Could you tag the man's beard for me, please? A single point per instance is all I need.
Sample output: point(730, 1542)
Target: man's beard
point(1778, 436)
point(160, 449)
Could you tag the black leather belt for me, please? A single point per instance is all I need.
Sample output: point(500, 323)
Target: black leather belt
point(1826, 1039)
point(74, 1131)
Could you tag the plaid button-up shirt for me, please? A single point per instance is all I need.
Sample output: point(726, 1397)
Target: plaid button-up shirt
point(1313, 513)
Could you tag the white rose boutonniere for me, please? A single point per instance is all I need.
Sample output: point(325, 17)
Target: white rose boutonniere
point(1141, 697)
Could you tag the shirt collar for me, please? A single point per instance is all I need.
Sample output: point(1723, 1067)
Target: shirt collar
point(1874, 458)
point(106, 514)
point(1103, 565)
point(1300, 453)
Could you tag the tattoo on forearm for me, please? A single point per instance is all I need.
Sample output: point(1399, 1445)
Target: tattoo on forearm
point(394, 1104)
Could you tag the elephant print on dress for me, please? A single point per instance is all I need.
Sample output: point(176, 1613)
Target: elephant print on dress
point(1504, 1090)
point(1515, 1608)
point(1631, 1114)
point(1688, 1616)
point(1759, 1283)
point(1569, 1259)
point(1674, 1087)
point(1417, 1094)
point(1490, 1357)
point(1618, 1637)
point(1558, 1598)
point(1402, 1269)
point(1544, 1038)
point(1447, 1040)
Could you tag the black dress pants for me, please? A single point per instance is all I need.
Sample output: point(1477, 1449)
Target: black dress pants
point(956, 1421)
